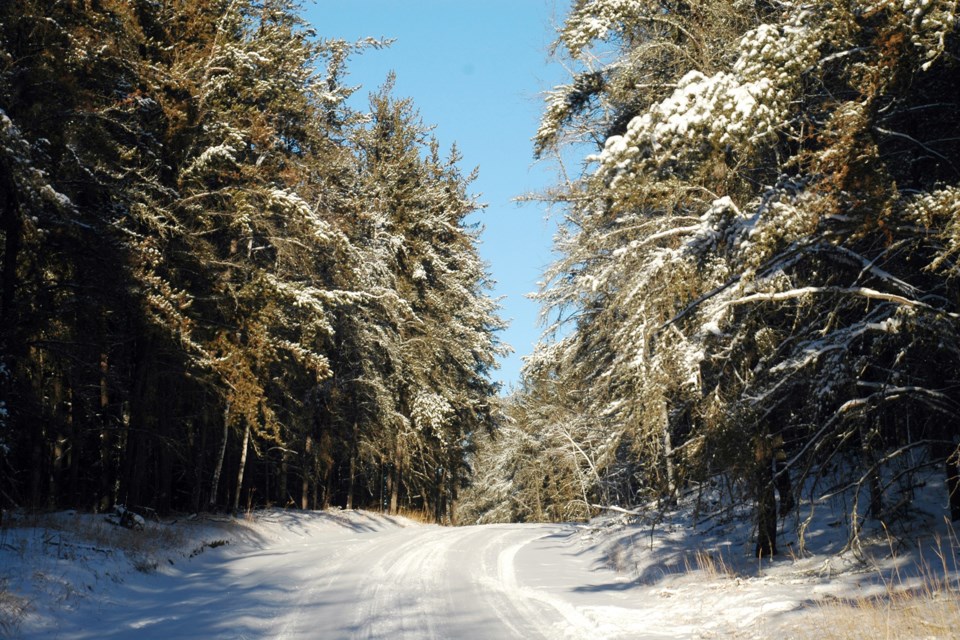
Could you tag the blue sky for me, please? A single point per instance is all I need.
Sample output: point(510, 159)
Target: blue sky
point(476, 70)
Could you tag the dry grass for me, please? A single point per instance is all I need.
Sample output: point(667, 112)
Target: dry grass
point(924, 607)
point(12, 610)
point(912, 613)
point(711, 564)
point(417, 515)
point(65, 529)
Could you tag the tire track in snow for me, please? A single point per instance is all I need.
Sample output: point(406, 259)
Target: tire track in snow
point(331, 570)
point(513, 614)
point(535, 607)
point(409, 596)
point(432, 582)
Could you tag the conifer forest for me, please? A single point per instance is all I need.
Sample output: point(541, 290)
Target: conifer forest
point(223, 285)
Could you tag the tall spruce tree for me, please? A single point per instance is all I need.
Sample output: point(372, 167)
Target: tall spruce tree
point(441, 347)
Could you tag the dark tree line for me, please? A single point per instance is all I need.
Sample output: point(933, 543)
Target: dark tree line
point(219, 284)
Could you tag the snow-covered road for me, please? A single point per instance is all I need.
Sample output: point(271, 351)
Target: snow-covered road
point(440, 583)
point(355, 574)
point(367, 578)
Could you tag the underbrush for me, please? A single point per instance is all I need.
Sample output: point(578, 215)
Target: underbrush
point(62, 556)
point(68, 533)
point(922, 601)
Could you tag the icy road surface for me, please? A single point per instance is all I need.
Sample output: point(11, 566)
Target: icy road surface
point(365, 579)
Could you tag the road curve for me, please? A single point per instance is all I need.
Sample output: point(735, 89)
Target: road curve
point(413, 582)
point(436, 582)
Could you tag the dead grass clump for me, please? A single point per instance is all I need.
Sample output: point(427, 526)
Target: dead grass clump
point(913, 613)
point(12, 610)
point(927, 606)
point(711, 564)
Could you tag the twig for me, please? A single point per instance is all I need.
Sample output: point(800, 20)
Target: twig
point(617, 509)
point(61, 543)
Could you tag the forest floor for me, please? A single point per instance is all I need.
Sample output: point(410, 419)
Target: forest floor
point(356, 574)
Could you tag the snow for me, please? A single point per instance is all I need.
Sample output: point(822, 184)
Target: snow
point(739, 109)
point(354, 574)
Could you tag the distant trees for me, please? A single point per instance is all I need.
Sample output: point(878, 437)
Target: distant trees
point(219, 283)
point(758, 265)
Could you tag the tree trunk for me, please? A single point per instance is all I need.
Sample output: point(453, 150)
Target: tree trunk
point(215, 483)
point(106, 464)
point(383, 480)
point(198, 445)
point(123, 461)
point(165, 424)
point(141, 428)
point(56, 470)
point(267, 474)
point(668, 454)
point(58, 397)
point(868, 455)
point(10, 223)
point(351, 486)
point(327, 485)
point(163, 499)
point(36, 474)
point(243, 464)
point(766, 501)
point(285, 498)
point(307, 466)
point(352, 482)
point(439, 496)
point(395, 489)
point(452, 503)
point(953, 482)
point(75, 450)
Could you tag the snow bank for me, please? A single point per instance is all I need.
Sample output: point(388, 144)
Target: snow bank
point(59, 571)
point(697, 567)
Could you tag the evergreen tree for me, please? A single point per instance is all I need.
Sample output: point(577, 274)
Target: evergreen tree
point(202, 265)
point(440, 348)
point(758, 261)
